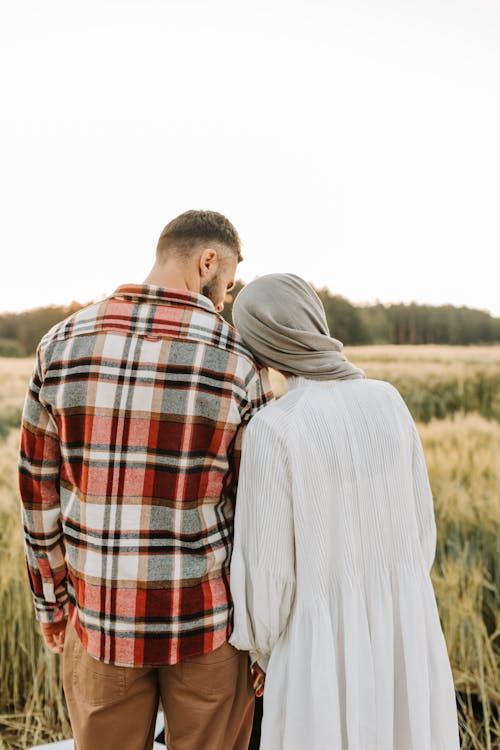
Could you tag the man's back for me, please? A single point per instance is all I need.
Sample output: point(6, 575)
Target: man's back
point(136, 403)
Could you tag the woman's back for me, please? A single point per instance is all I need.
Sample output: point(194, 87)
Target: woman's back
point(351, 447)
point(335, 537)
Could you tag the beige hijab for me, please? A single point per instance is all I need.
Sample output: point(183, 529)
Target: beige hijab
point(282, 321)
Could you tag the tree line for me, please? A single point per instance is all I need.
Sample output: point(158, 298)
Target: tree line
point(352, 324)
point(401, 323)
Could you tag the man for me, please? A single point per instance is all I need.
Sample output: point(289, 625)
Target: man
point(129, 456)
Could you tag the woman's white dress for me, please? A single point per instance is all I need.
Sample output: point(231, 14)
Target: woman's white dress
point(334, 541)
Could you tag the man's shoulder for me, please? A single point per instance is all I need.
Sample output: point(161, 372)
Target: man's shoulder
point(227, 337)
point(204, 326)
point(75, 323)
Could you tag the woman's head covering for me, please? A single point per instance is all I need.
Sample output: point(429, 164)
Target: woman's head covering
point(282, 321)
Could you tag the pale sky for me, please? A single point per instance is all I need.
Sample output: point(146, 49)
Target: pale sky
point(355, 143)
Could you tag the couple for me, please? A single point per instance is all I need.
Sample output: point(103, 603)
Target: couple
point(136, 466)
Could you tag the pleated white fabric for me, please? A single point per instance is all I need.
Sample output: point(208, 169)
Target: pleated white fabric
point(334, 540)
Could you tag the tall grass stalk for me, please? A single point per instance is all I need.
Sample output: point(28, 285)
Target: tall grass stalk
point(31, 703)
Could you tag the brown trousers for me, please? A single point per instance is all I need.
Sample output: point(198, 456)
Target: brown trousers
point(208, 701)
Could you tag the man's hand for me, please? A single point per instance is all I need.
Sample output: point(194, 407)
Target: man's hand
point(258, 679)
point(53, 635)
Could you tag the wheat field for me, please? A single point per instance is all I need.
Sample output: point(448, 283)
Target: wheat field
point(455, 395)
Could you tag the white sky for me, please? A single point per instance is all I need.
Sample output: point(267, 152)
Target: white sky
point(356, 143)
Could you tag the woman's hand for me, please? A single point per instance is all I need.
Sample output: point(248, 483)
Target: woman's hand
point(258, 679)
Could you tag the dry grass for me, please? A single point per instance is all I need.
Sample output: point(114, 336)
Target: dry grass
point(437, 381)
point(429, 354)
point(14, 377)
point(463, 456)
point(31, 703)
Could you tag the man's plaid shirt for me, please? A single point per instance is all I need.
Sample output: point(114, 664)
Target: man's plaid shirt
point(129, 452)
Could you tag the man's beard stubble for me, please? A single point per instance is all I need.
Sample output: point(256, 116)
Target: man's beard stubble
point(210, 290)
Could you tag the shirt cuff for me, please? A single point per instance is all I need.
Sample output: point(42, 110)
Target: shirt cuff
point(51, 613)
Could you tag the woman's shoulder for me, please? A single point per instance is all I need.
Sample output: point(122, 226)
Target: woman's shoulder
point(386, 391)
point(288, 408)
point(274, 417)
point(383, 387)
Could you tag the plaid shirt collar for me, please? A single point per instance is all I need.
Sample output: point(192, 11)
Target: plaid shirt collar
point(158, 294)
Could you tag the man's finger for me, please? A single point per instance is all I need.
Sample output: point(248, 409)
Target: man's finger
point(53, 643)
point(55, 648)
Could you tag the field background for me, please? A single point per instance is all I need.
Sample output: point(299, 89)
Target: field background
point(454, 394)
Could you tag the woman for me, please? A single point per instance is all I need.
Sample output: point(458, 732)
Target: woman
point(334, 542)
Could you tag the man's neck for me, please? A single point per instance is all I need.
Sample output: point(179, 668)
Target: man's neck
point(171, 277)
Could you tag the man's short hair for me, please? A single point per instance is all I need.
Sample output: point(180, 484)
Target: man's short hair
point(191, 229)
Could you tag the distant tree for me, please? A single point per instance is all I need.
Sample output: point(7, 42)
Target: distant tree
point(376, 324)
point(446, 324)
point(345, 321)
point(27, 328)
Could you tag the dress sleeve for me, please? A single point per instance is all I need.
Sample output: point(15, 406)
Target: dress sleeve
point(422, 493)
point(423, 500)
point(263, 561)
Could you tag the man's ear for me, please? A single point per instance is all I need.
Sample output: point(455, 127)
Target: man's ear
point(208, 262)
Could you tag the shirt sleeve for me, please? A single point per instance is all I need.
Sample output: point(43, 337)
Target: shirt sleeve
point(258, 393)
point(263, 561)
point(39, 470)
point(424, 504)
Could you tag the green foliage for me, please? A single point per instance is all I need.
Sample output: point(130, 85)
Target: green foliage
point(344, 320)
point(400, 324)
point(437, 397)
point(24, 330)
point(376, 322)
point(437, 381)
point(352, 324)
point(425, 324)
point(10, 417)
point(11, 348)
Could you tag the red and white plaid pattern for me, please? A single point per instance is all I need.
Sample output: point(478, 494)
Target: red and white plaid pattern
point(128, 464)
